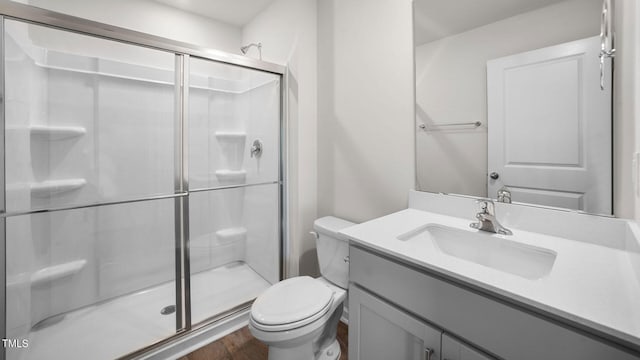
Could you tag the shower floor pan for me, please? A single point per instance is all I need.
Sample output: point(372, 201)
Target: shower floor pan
point(122, 325)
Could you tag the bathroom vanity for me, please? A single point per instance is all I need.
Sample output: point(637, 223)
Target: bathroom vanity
point(424, 285)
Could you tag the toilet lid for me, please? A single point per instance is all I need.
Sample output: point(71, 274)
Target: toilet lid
point(291, 301)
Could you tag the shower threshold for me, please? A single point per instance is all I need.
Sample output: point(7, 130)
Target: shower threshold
point(127, 323)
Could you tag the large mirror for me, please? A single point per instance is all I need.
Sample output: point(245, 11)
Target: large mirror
point(509, 102)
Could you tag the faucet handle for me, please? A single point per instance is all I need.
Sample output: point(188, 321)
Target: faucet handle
point(487, 218)
point(486, 206)
point(256, 148)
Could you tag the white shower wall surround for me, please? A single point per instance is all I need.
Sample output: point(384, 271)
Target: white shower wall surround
point(125, 110)
point(226, 115)
point(83, 129)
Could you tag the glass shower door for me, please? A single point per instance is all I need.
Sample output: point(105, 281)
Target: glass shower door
point(234, 173)
point(90, 194)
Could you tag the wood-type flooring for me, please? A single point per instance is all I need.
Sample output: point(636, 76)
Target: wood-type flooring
point(241, 345)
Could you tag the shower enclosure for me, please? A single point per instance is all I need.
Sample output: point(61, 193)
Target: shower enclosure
point(141, 186)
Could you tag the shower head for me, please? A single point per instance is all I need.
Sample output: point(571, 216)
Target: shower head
point(246, 48)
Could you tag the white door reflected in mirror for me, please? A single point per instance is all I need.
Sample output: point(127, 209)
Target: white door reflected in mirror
point(549, 133)
point(553, 122)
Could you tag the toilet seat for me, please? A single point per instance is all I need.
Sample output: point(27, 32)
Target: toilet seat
point(291, 304)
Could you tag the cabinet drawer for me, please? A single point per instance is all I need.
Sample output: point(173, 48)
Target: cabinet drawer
point(494, 326)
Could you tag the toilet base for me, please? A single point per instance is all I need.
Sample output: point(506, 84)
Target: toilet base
point(332, 352)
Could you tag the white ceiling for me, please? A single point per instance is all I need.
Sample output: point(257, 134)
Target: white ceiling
point(435, 19)
point(234, 12)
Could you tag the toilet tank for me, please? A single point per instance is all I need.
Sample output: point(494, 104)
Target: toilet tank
point(332, 251)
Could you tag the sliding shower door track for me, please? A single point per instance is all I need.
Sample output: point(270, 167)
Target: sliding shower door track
point(154, 350)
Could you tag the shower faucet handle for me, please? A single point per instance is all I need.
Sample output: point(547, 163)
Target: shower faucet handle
point(256, 148)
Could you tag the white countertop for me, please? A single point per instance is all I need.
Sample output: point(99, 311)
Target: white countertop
point(590, 284)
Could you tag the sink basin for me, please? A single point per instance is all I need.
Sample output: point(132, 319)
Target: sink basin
point(487, 249)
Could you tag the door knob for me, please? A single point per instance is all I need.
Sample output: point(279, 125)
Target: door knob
point(494, 175)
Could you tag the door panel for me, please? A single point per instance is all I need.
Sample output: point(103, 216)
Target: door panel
point(550, 127)
point(381, 331)
point(549, 197)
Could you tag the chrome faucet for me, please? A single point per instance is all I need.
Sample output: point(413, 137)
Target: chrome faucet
point(487, 219)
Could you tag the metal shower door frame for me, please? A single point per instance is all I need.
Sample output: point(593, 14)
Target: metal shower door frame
point(183, 53)
point(3, 206)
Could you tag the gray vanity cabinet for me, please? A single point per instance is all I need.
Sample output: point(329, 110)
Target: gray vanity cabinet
point(397, 310)
point(380, 331)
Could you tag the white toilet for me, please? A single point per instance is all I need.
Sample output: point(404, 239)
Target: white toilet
point(298, 317)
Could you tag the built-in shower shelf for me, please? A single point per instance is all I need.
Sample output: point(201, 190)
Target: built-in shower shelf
point(231, 175)
point(57, 272)
point(53, 133)
point(231, 234)
point(230, 135)
point(50, 188)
